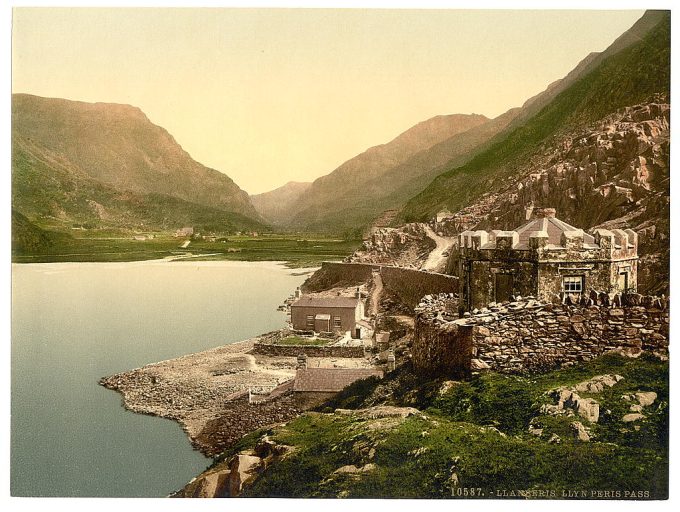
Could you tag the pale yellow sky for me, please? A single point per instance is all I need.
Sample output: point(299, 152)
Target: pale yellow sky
point(269, 96)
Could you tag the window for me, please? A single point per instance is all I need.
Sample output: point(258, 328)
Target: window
point(310, 321)
point(572, 284)
point(337, 322)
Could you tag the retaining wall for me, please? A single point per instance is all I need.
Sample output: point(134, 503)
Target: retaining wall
point(270, 349)
point(531, 337)
point(406, 284)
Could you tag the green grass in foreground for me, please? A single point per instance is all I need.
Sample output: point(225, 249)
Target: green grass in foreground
point(478, 432)
point(296, 250)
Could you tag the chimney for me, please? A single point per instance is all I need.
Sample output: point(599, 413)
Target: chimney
point(298, 292)
point(528, 212)
point(357, 293)
point(302, 361)
point(540, 213)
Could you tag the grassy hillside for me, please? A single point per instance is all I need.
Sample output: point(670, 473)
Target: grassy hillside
point(27, 238)
point(472, 439)
point(56, 194)
point(625, 78)
point(107, 165)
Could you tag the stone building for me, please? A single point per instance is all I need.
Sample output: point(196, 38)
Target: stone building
point(545, 258)
point(327, 314)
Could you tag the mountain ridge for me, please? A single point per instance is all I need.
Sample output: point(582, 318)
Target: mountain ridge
point(113, 152)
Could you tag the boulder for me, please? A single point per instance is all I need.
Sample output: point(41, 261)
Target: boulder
point(646, 398)
point(632, 417)
point(588, 409)
point(580, 432)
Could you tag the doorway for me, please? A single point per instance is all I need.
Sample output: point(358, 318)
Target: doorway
point(503, 287)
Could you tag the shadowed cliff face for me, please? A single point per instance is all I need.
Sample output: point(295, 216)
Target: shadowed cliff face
point(115, 148)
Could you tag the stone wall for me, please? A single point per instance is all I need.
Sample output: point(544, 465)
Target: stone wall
point(440, 346)
point(271, 349)
point(332, 274)
point(406, 284)
point(528, 336)
point(410, 285)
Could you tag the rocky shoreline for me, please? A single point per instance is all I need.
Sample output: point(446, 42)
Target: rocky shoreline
point(207, 392)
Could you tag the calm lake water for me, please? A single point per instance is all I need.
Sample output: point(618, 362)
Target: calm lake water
point(73, 323)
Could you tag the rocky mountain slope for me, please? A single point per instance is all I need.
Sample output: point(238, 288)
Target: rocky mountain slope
point(603, 140)
point(346, 195)
point(107, 164)
point(276, 204)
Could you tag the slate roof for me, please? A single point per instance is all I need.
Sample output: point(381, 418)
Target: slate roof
point(326, 302)
point(553, 226)
point(330, 380)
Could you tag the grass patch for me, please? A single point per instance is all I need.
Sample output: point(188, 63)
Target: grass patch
point(477, 430)
point(295, 250)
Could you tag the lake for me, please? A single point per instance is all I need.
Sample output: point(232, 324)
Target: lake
point(73, 323)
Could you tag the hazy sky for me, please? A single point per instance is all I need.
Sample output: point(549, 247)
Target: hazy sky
point(269, 96)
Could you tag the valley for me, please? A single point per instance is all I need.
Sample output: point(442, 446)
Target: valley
point(485, 305)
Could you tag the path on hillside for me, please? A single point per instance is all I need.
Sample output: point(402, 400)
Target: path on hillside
point(436, 261)
point(374, 301)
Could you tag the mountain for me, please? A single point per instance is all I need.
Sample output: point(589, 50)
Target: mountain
point(633, 35)
point(345, 189)
point(625, 78)
point(357, 193)
point(108, 165)
point(27, 238)
point(597, 151)
point(274, 204)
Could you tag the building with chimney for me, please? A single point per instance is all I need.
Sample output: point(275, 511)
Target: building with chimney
point(545, 258)
point(328, 314)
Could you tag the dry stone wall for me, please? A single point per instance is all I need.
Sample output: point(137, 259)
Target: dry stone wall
point(405, 284)
point(271, 349)
point(528, 336)
point(409, 285)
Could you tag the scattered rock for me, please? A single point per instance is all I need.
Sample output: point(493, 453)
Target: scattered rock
point(628, 418)
point(580, 432)
point(646, 398)
point(555, 439)
point(535, 431)
point(597, 384)
point(478, 364)
point(447, 385)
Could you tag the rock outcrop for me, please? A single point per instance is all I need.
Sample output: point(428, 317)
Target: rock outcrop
point(614, 174)
point(407, 246)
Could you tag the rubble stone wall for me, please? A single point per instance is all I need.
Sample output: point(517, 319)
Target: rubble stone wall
point(332, 274)
point(528, 336)
point(269, 349)
point(406, 284)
